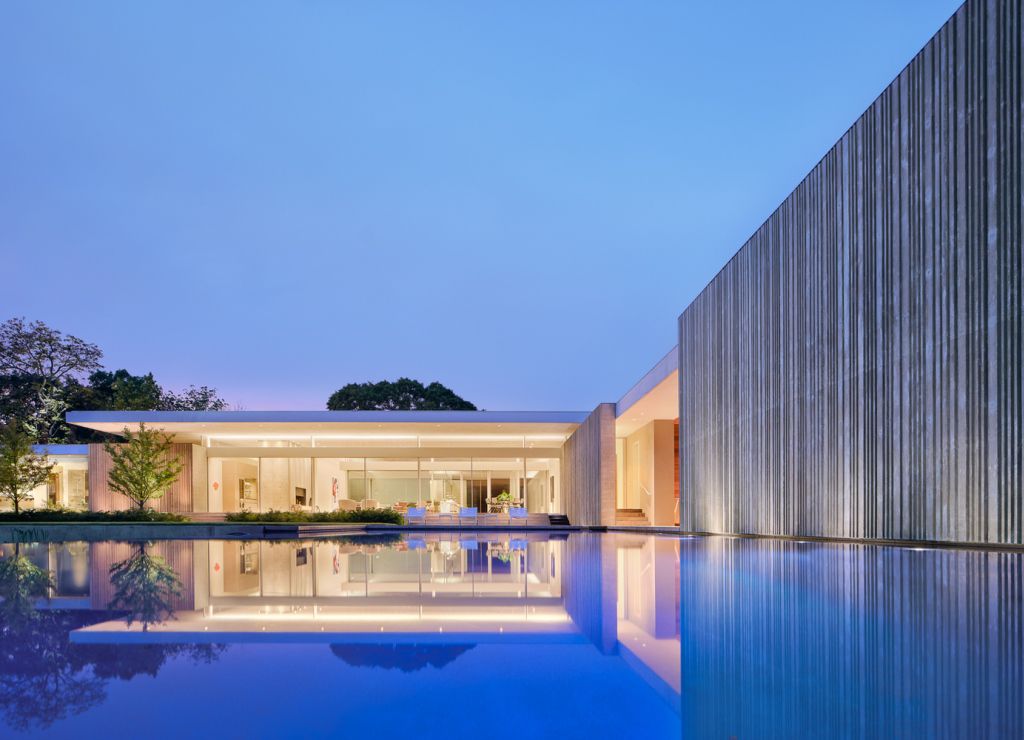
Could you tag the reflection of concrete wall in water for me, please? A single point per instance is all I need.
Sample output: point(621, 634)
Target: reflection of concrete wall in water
point(784, 639)
point(589, 587)
point(102, 555)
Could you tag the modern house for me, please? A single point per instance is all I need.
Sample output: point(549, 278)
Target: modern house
point(546, 462)
point(854, 371)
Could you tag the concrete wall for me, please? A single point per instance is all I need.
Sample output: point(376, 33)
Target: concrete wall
point(856, 369)
point(588, 469)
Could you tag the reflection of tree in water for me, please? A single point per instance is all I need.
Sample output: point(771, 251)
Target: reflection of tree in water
point(21, 583)
point(144, 587)
point(406, 658)
point(39, 680)
point(43, 676)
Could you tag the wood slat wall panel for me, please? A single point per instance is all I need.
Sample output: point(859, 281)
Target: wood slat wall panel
point(103, 555)
point(588, 469)
point(101, 498)
point(856, 369)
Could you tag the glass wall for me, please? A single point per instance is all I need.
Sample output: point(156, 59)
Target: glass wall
point(286, 484)
point(330, 484)
point(333, 482)
point(234, 484)
point(66, 487)
point(391, 483)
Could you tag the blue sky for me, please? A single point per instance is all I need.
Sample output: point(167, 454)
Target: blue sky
point(514, 199)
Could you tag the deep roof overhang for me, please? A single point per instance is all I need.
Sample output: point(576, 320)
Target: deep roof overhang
point(325, 422)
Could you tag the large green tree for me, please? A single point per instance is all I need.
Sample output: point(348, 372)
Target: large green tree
point(403, 394)
point(193, 398)
point(44, 374)
point(116, 391)
point(143, 466)
point(21, 469)
point(39, 361)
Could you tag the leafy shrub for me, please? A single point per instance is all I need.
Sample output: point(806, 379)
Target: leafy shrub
point(67, 515)
point(364, 516)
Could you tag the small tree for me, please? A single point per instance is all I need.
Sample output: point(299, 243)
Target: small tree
point(142, 468)
point(21, 469)
point(145, 587)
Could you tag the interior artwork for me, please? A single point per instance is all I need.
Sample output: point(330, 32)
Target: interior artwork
point(248, 492)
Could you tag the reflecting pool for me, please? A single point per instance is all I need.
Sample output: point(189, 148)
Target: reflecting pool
point(508, 635)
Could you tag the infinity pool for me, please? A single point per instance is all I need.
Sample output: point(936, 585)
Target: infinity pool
point(497, 635)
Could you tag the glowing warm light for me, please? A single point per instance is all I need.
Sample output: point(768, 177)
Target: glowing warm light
point(394, 618)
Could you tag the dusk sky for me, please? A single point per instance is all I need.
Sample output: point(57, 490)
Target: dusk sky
point(514, 199)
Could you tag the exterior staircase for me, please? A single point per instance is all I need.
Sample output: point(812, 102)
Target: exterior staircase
point(630, 518)
point(205, 517)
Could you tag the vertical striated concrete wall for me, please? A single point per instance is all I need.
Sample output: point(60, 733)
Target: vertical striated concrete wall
point(856, 369)
point(588, 469)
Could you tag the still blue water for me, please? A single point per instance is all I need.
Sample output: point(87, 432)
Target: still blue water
point(500, 635)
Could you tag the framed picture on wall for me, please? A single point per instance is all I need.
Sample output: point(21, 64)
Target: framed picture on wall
point(248, 492)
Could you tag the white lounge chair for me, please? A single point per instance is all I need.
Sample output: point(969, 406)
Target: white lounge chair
point(416, 512)
point(518, 514)
point(347, 504)
point(371, 503)
point(468, 512)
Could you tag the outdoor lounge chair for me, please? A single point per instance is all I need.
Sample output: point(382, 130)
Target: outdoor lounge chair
point(416, 512)
point(518, 514)
point(468, 512)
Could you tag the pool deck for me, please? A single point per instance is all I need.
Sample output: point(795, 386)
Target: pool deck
point(211, 530)
point(75, 531)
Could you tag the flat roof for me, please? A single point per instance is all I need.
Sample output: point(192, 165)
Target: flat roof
point(84, 418)
point(321, 422)
point(663, 369)
point(60, 449)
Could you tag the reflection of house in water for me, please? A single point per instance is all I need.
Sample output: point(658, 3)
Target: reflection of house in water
point(68, 565)
point(406, 602)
